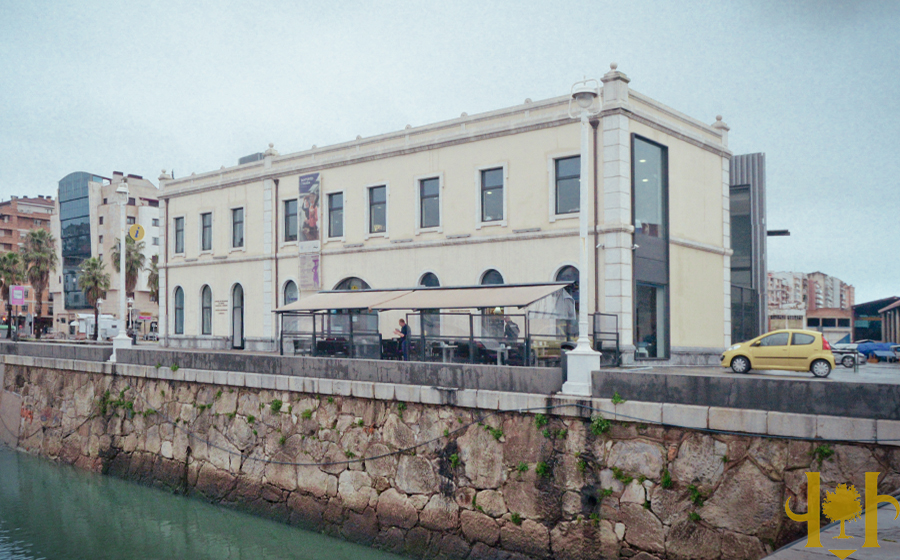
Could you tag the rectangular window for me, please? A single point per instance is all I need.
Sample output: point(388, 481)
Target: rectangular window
point(829, 322)
point(156, 240)
point(378, 209)
point(290, 220)
point(101, 240)
point(131, 201)
point(429, 203)
point(129, 220)
point(492, 195)
point(649, 321)
point(206, 231)
point(336, 215)
point(812, 322)
point(568, 185)
point(179, 235)
point(237, 227)
point(101, 220)
point(649, 189)
point(155, 222)
point(843, 322)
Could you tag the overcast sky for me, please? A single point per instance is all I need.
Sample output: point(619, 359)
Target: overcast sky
point(138, 86)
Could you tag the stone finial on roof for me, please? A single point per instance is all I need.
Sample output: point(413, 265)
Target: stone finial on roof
point(164, 176)
point(272, 151)
point(723, 128)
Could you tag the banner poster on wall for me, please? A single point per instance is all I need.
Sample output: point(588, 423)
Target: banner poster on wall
point(308, 213)
point(309, 272)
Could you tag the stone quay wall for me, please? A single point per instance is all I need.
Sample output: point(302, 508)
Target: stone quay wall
point(409, 473)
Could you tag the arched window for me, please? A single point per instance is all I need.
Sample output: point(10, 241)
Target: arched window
point(352, 283)
point(290, 292)
point(179, 311)
point(430, 280)
point(491, 277)
point(206, 310)
point(570, 274)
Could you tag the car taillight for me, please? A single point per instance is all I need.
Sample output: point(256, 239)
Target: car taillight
point(825, 345)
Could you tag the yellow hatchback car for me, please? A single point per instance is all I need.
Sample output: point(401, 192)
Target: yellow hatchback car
point(789, 349)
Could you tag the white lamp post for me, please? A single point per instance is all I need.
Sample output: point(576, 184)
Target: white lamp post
point(122, 340)
point(583, 359)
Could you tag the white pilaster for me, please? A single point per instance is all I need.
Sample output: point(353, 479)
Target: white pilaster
point(726, 230)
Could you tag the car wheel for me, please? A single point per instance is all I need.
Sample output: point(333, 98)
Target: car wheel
point(740, 364)
point(847, 361)
point(820, 368)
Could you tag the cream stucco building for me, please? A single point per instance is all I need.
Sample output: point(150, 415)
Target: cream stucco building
point(484, 198)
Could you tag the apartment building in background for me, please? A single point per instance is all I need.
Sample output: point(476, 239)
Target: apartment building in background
point(18, 216)
point(490, 198)
point(88, 224)
point(813, 301)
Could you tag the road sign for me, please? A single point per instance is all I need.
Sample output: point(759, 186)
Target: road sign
point(136, 232)
point(17, 295)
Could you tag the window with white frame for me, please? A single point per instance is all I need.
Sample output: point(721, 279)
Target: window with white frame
point(430, 203)
point(179, 235)
point(492, 195)
point(237, 227)
point(336, 215)
point(206, 310)
point(378, 209)
point(206, 231)
point(179, 310)
point(290, 220)
point(568, 185)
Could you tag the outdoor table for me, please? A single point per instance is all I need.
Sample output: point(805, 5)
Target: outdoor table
point(447, 348)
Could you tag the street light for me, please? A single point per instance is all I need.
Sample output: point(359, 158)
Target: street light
point(582, 360)
point(122, 340)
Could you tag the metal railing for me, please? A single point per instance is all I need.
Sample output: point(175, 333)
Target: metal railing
point(342, 335)
point(605, 338)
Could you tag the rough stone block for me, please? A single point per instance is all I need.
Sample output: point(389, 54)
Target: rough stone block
point(685, 415)
point(851, 429)
point(738, 420)
point(282, 382)
point(789, 424)
point(637, 411)
point(888, 432)
point(341, 387)
point(489, 400)
point(407, 393)
point(467, 398)
point(430, 395)
point(362, 389)
point(384, 391)
point(236, 378)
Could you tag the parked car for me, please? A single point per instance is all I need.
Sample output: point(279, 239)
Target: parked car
point(847, 354)
point(785, 349)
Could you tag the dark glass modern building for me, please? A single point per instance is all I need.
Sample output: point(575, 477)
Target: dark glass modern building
point(748, 241)
point(75, 232)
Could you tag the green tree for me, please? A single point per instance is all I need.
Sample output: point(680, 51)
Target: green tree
point(135, 262)
point(39, 261)
point(94, 281)
point(10, 275)
point(153, 279)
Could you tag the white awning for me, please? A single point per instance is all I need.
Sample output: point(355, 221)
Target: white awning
point(350, 299)
point(470, 298)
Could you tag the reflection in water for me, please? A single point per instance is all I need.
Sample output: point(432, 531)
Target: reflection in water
point(56, 512)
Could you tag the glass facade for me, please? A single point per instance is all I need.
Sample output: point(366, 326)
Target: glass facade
point(75, 233)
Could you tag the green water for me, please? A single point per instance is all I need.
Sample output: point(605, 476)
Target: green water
point(56, 512)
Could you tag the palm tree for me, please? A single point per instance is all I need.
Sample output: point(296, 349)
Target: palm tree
point(10, 275)
point(134, 262)
point(39, 260)
point(153, 279)
point(94, 281)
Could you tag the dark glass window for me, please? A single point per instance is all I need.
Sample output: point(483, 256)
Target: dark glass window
point(649, 321)
point(237, 227)
point(352, 283)
point(179, 235)
point(206, 310)
point(649, 189)
point(206, 232)
point(290, 292)
point(290, 220)
point(801, 339)
point(569, 274)
point(430, 280)
point(179, 311)
point(429, 203)
point(813, 322)
point(336, 215)
point(491, 277)
point(777, 339)
point(130, 220)
point(492, 195)
point(829, 322)
point(843, 322)
point(568, 185)
point(377, 209)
